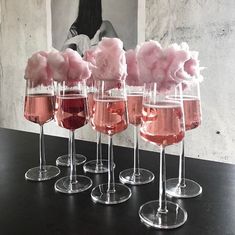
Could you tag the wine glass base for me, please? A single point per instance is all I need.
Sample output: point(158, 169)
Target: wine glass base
point(173, 218)
point(81, 184)
point(94, 167)
point(128, 177)
point(64, 160)
point(35, 174)
point(121, 194)
point(191, 188)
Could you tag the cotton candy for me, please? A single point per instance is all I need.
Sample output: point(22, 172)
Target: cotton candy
point(59, 64)
point(37, 69)
point(78, 68)
point(133, 76)
point(148, 55)
point(167, 66)
point(109, 60)
point(89, 56)
point(68, 66)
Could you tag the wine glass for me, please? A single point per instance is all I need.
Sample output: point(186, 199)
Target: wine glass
point(135, 175)
point(163, 125)
point(64, 160)
point(99, 165)
point(110, 117)
point(181, 187)
point(71, 114)
point(39, 108)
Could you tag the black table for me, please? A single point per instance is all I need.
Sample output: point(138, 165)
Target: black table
point(35, 208)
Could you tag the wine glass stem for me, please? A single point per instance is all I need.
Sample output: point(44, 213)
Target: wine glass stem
point(72, 156)
point(182, 167)
point(111, 185)
point(74, 149)
point(162, 182)
point(98, 149)
point(136, 153)
point(42, 150)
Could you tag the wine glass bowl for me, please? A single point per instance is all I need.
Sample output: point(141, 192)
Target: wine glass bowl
point(39, 108)
point(135, 175)
point(69, 104)
point(134, 107)
point(181, 187)
point(71, 111)
point(192, 112)
point(162, 125)
point(110, 117)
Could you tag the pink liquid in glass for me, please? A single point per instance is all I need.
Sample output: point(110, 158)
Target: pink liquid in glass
point(71, 111)
point(110, 115)
point(91, 102)
point(162, 123)
point(39, 108)
point(192, 112)
point(134, 107)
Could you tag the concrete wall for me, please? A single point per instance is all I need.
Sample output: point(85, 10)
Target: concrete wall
point(24, 28)
point(208, 26)
point(123, 17)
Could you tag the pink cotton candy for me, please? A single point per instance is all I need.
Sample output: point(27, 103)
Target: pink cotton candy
point(176, 59)
point(167, 67)
point(110, 61)
point(78, 68)
point(148, 55)
point(68, 65)
point(89, 56)
point(133, 77)
point(59, 65)
point(191, 66)
point(37, 69)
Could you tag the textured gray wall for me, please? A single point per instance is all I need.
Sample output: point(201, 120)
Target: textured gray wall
point(23, 30)
point(207, 25)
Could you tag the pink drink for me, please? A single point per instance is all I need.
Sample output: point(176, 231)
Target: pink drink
point(110, 115)
point(162, 123)
point(134, 106)
point(192, 112)
point(39, 108)
point(71, 111)
point(90, 99)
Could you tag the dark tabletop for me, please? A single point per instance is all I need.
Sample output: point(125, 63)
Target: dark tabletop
point(35, 208)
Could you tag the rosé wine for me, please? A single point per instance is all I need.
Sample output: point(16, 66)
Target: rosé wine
point(134, 107)
point(90, 100)
point(39, 108)
point(192, 112)
point(110, 115)
point(71, 111)
point(162, 123)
